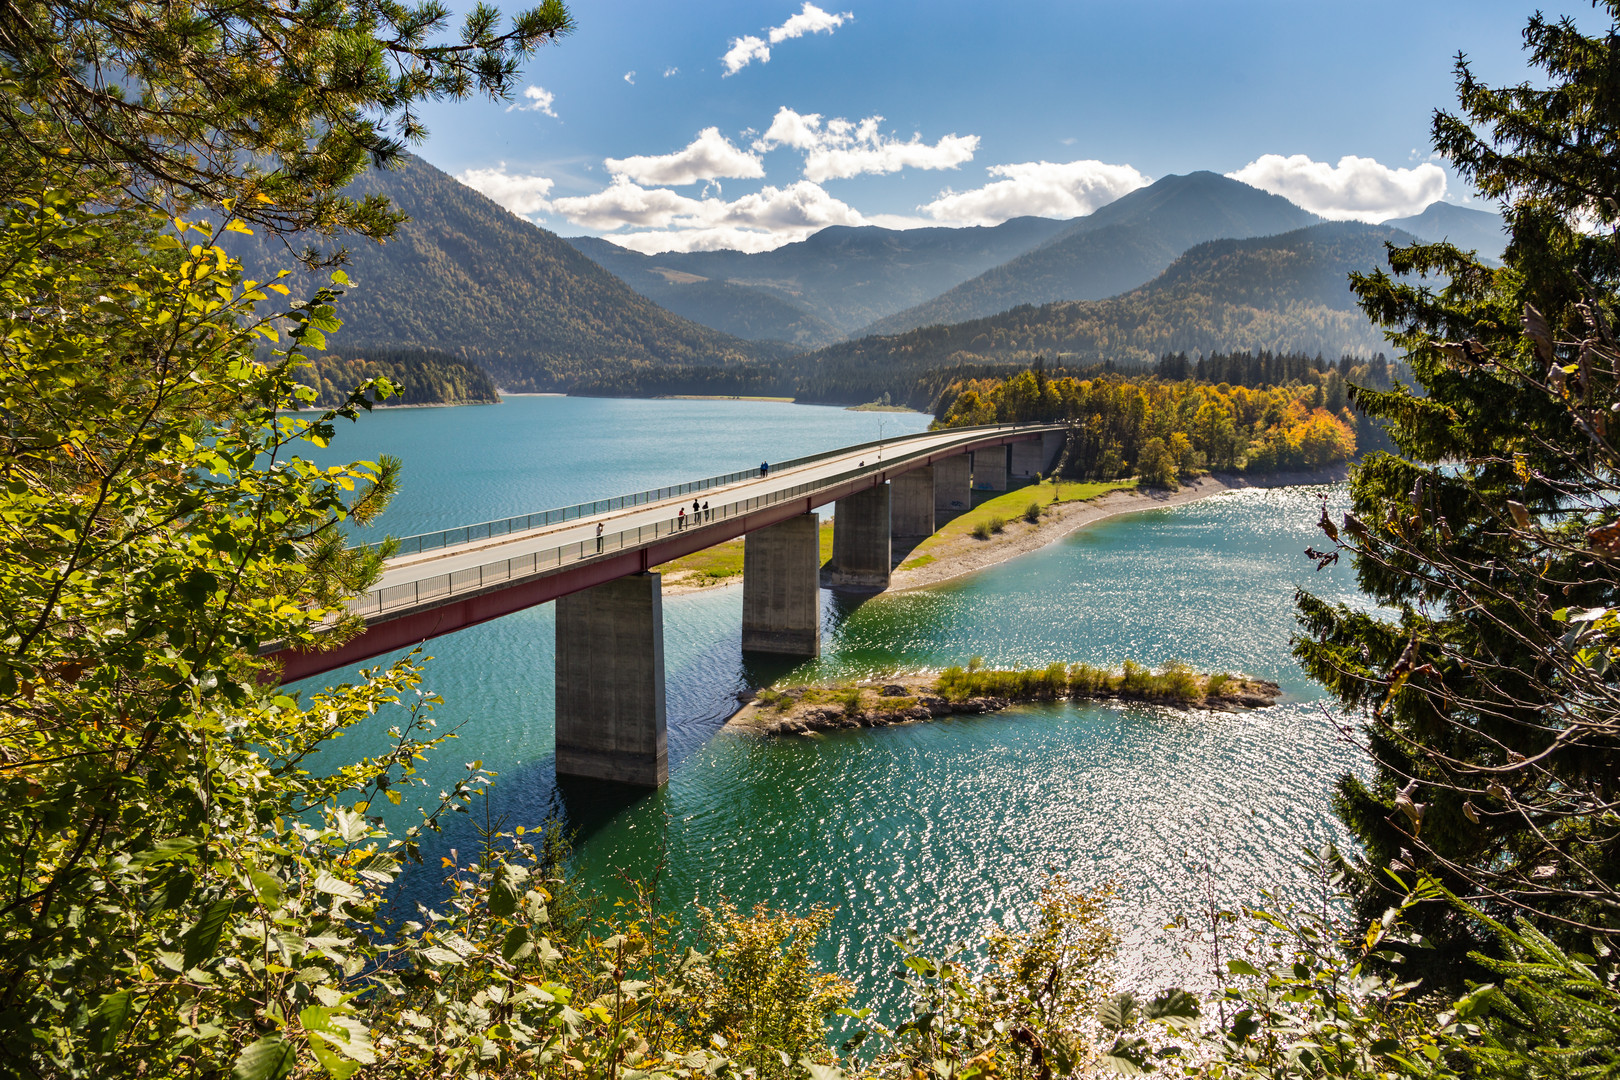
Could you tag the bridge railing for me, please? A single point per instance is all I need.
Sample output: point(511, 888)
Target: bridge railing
point(466, 534)
point(550, 560)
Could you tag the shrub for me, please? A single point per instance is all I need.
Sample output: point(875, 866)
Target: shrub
point(1032, 513)
point(850, 699)
point(997, 524)
point(981, 531)
point(1215, 685)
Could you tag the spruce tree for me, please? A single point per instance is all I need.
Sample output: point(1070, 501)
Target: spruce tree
point(1490, 542)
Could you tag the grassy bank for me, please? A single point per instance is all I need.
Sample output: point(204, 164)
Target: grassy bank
point(797, 710)
point(712, 566)
point(1008, 507)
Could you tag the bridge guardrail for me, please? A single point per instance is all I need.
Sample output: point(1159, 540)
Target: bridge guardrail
point(466, 534)
point(475, 578)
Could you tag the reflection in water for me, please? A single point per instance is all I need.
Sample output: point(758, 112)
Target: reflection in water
point(946, 824)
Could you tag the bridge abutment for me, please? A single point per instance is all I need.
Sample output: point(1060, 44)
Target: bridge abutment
point(953, 487)
point(610, 682)
point(861, 544)
point(911, 506)
point(1052, 449)
point(990, 469)
point(782, 588)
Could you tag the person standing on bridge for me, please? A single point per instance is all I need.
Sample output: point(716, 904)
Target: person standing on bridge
point(680, 519)
point(706, 515)
point(697, 511)
point(764, 468)
point(599, 538)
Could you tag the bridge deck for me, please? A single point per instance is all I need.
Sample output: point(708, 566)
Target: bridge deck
point(427, 593)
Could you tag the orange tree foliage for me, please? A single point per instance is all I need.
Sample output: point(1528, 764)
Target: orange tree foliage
point(1113, 419)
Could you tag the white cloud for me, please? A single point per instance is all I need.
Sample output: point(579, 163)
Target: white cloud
point(630, 77)
point(625, 203)
point(766, 219)
point(1039, 188)
point(743, 51)
point(523, 195)
point(838, 149)
point(810, 20)
point(707, 157)
point(1357, 188)
point(671, 71)
point(538, 99)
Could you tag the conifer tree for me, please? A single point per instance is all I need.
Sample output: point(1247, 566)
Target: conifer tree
point(1484, 681)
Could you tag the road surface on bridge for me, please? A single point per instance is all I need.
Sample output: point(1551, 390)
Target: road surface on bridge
point(425, 593)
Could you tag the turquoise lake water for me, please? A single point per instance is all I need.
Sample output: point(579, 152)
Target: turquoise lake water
point(943, 825)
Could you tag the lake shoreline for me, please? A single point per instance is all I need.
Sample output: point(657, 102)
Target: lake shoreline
point(966, 555)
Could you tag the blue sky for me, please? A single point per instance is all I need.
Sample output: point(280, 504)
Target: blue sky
point(636, 127)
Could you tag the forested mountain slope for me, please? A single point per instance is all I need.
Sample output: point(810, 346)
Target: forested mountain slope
point(1121, 246)
point(467, 277)
point(747, 311)
point(851, 276)
point(1283, 293)
point(1471, 230)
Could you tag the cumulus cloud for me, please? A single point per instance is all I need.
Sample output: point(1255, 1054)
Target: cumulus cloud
point(707, 157)
point(535, 99)
point(523, 195)
point(1356, 189)
point(760, 221)
point(630, 77)
point(810, 20)
point(837, 149)
point(671, 71)
point(1038, 188)
point(744, 51)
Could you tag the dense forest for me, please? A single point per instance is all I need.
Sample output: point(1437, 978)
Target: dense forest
point(1164, 431)
point(466, 277)
point(420, 377)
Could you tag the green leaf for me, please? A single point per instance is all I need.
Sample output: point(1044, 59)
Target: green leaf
point(109, 1018)
point(326, 883)
point(1118, 1012)
point(202, 940)
point(269, 1058)
point(1171, 1006)
point(517, 945)
point(1242, 967)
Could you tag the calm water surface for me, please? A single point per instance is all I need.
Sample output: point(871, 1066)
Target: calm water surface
point(943, 825)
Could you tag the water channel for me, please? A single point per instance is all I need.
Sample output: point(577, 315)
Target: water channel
point(943, 825)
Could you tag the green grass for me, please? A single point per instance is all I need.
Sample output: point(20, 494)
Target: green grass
point(1007, 507)
point(725, 560)
point(1176, 682)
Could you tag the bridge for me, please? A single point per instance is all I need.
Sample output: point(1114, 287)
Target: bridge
point(596, 560)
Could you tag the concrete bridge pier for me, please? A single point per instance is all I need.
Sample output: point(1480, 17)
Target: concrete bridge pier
point(610, 682)
point(861, 545)
point(1051, 449)
point(990, 469)
point(953, 487)
point(782, 588)
point(911, 507)
point(1028, 460)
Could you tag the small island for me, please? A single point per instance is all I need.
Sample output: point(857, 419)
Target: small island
point(971, 690)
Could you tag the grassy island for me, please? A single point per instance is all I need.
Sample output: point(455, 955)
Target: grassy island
point(974, 689)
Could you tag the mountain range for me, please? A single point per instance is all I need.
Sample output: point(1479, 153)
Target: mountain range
point(467, 277)
point(1198, 263)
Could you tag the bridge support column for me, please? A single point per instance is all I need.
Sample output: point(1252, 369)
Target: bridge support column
point(953, 486)
point(610, 682)
point(1027, 460)
point(782, 588)
point(911, 506)
point(861, 549)
point(1051, 449)
point(990, 469)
